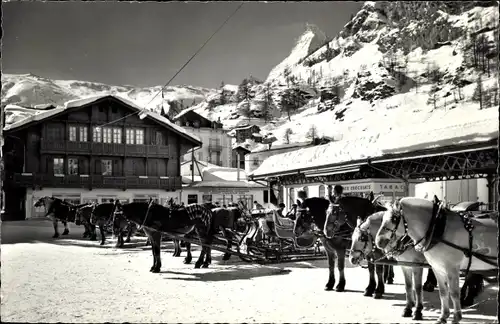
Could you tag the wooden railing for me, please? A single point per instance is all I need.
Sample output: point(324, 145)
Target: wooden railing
point(109, 149)
point(96, 181)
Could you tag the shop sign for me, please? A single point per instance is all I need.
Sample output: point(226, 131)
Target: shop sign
point(375, 187)
point(225, 191)
point(390, 187)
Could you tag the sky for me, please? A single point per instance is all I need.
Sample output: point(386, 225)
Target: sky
point(145, 44)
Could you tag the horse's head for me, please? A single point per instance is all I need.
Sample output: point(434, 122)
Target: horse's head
point(362, 242)
point(84, 213)
point(336, 215)
point(48, 203)
point(391, 229)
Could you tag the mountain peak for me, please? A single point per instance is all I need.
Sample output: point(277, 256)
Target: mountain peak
point(311, 39)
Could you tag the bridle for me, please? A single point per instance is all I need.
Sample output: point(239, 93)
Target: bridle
point(405, 241)
point(336, 222)
point(365, 236)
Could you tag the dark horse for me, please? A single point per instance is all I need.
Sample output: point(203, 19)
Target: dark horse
point(104, 215)
point(83, 217)
point(59, 210)
point(156, 219)
point(312, 215)
point(224, 220)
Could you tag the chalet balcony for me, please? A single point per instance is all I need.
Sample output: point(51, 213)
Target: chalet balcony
point(215, 147)
point(95, 181)
point(108, 149)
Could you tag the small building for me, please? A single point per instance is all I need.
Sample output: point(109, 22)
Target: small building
point(255, 158)
point(216, 143)
point(242, 133)
point(221, 185)
point(239, 153)
point(77, 154)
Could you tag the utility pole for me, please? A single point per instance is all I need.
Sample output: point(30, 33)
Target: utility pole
point(2, 113)
point(237, 166)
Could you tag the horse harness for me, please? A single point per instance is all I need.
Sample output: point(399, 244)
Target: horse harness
point(365, 237)
point(435, 231)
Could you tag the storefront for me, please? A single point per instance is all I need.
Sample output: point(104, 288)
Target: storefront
point(389, 189)
point(225, 193)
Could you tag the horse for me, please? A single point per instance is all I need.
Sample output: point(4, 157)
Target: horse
point(156, 219)
point(224, 220)
point(363, 247)
point(312, 215)
point(83, 216)
point(472, 287)
point(442, 236)
point(59, 210)
point(103, 215)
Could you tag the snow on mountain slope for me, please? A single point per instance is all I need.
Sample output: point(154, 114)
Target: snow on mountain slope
point(396, 69)
point(309, 41)
point(29, 90)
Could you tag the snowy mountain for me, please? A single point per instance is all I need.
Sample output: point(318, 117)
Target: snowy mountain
point(394, 65)
point(22, 92)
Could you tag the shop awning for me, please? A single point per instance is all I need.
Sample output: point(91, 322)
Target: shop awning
point(330, 171)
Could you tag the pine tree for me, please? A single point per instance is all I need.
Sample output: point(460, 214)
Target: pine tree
point(268, 103)
point(288, 132)
point(244, 109)
point(478, 93)
point(312, 133)
point(433, 96)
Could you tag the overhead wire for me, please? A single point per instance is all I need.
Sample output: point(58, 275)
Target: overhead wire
point(179, 71)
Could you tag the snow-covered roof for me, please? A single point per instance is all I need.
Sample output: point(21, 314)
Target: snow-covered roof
point(265, 147)
point(88, 100)
point(182, 113)
point(244, 127)
point(395, 141)
point(226, 184)
point(216, 173)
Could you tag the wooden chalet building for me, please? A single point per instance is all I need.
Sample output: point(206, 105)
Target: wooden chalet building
point(66, 153)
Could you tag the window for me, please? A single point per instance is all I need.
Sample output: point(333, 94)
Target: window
point(256, 161)
point(207, 198)
point(139, 136)
point(321, 191)
point(106, 135)
point(266, 196)
point(129, 136)
point(83, 134)
point(192, 199)
point(107, 167)
point(117, 135)
point(159, 139)
point(58, 166)
point(72, 133)
point(73, 166)
point(291, 194)
point(97, 134)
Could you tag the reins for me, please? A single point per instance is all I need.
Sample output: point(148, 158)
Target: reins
point(147, 214)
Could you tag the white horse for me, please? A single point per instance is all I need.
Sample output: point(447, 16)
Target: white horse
point(446, 240)
point(363, 247)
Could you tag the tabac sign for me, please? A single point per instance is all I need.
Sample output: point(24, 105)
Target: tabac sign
point(376, 187)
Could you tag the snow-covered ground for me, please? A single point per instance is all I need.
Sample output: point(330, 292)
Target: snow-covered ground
point(74, 280)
